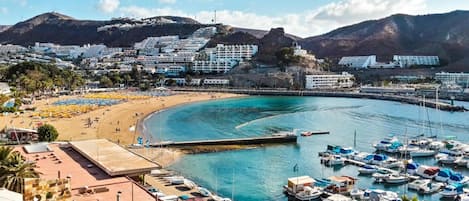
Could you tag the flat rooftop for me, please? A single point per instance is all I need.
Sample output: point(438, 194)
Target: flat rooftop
point(112, 158)
point(82, 173)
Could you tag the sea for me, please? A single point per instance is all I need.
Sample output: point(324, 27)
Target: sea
point(260, 173)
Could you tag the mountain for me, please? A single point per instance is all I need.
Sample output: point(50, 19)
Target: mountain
point(4, 27)
point(123, 32)
point(445, 35)
point(261, 33)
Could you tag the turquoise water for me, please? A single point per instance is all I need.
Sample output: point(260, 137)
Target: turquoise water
point(259, 174)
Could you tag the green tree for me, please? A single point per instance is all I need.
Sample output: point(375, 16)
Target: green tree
point(47, 133)
point(105, 82)
point(188, 79)
point(285, 57)
point(14, 169)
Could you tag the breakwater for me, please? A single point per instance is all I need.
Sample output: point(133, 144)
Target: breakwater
point(272, 92)
point(237, 141)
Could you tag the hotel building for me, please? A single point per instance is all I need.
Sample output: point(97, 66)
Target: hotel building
point(405, 61)
point(344, 80)
point(358, 61)
point(445, 78)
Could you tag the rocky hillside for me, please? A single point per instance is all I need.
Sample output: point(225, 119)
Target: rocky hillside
point(445, 35)
point(62, 29)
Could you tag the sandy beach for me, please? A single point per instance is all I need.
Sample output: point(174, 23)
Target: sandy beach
point(110, 122)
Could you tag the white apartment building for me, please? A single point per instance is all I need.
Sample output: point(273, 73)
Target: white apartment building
point(405, 61)
point(12, 49)
point(344, 80)
point(233, 52)
point(217, 66)
point(182, 81)
point(216, 82)
point(358, 61)
point(445, 78)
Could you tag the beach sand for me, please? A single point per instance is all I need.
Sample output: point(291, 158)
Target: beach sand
point(110, 122)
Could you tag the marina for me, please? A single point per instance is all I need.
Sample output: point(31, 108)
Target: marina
point(280, 166)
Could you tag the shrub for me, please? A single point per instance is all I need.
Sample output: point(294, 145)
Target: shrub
point(47, 133)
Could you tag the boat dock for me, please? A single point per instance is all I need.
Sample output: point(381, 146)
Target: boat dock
point(238, 141)
point(361, 164)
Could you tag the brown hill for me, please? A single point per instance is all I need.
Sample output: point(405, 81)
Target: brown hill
point(445, 35)
point(61, 29)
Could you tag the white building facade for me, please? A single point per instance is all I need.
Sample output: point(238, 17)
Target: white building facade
point(344, 80)
point(445, 78)
point(217, 66)
point(234, 52)
point(405, 61)
point(358, 61)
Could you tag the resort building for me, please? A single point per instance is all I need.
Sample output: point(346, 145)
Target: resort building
point(183, 82)
point(217, 66)
point(344, 80)
point(216, 82)
point(11, 49)
point(358, 61)
point(405, 61)
point(445, 78)
point(233, 52)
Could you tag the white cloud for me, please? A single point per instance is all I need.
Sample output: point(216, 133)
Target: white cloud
point(308, 23)
point(167, 1)
point(108, 6)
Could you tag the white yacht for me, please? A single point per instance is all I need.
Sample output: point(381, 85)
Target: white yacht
point(452, 190)
point(309, 193)
point(425, 186)
point(367, 169)
point(395, 179)
point(382, 195)
point(204, 192)
point(427, 172)
point(422, 153)
point(385, 143)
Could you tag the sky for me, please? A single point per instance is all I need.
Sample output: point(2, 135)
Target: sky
point(299, 17)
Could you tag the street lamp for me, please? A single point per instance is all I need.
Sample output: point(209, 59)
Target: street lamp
point(118, 195)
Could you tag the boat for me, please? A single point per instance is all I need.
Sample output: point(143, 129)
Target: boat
point(381, 195)
point(406, 149)
point(444, 175)
point(341, 184)
point(297, 184)
point(416, 184)
point(445, 158)
point(427, 172)
point(335, 197)
point(204, 192)
point(333, 160)
point(395, 179)
point(378, 159)
point(458, 178)
point(363, 157)
point(425, 186)
point(422, 153)
point(385, 143)
point(310, 133)
point(452, 190)
point(175, 180)
point(357, 194)
point(463, 161)
point(367, 169)
point(412, 168)
point(309, 193)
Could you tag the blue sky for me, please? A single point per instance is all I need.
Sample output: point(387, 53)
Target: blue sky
point(300, 17)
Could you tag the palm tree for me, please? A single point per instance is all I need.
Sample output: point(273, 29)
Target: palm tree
point(14, 169)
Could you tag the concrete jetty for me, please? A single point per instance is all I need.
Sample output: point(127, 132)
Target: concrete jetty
point(273, 92)
point(238, 141)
